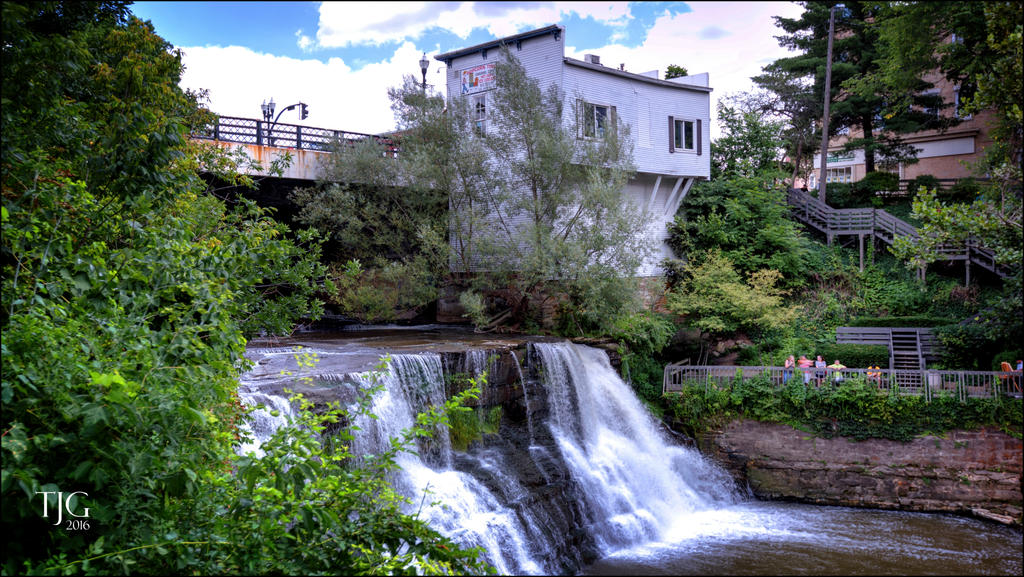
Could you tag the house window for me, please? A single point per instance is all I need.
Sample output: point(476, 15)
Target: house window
point(844, 174)
point(931, 110)
point(480, 112)
point(684, 135)
point(957, 105)
point(595, 119)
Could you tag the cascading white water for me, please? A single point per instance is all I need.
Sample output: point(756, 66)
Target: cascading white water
point(604, 454)
point(466, 511)
point(261, 423)
point(637, 487)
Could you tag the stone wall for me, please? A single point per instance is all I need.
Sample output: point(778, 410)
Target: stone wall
point(968, 472)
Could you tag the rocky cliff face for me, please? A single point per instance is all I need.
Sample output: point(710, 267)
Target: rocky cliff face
point(968, 472)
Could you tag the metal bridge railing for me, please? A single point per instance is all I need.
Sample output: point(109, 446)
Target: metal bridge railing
point(263, 133)
point(930, 383)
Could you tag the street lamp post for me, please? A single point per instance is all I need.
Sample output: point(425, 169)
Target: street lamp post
point(822, 179)
point(268, 117)
point(268, 113)
point(424, 64)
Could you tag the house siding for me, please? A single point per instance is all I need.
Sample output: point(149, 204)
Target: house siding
point(641, 102)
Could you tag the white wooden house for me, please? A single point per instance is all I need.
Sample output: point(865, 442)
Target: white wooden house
point(669, 120)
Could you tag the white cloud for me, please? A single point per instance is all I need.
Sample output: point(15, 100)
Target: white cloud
point(340, 98)
point(731, 41)
point(239, 79)
point(354, 23)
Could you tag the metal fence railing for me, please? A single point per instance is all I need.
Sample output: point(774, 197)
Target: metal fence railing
point(262, 133)
point(930, 383)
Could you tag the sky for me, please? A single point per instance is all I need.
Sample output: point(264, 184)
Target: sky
point(340, 58)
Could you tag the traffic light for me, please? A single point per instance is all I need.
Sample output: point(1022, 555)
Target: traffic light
point(305, 112)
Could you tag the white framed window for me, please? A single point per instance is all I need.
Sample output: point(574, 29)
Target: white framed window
point(844, 174)
point(595, 119)
point(684, 135)
point(479, 104)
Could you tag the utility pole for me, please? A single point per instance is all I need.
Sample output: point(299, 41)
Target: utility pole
point(822, 179)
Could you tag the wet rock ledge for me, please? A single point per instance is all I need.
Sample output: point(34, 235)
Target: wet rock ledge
point(976, 473)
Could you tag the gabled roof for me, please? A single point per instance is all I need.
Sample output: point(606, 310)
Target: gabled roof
point(447, 57)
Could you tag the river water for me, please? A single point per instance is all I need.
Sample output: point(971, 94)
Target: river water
point(645, 506)
point(771, 538)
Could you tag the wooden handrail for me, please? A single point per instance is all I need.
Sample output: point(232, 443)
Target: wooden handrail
point(881, 225)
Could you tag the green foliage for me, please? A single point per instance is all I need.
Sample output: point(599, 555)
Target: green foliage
point(855, 409)
point(985, 61)
point(965, 190)
point(749, 145)
point(747, 219)
point(383, 293)
point(469, 426)
point(715, 298)
point(856, 100)
point(907, 321)
point(862, 194)
point(674, 71)
point(473, 303)
point(923, 183)
point(645, 333)
point(128, 293)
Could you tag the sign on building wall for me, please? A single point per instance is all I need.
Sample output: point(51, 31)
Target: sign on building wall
point(839, 157)
point(478, 79)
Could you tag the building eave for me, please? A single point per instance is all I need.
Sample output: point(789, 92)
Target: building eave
point(447, 57)
point(633, 76)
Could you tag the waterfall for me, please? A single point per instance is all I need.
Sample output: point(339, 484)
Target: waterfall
point(262, 423)
point(467, 511)
point(637, 487)
point(588, 474)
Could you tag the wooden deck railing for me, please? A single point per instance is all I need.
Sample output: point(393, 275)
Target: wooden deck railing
point(929, 383)
point(877, 223)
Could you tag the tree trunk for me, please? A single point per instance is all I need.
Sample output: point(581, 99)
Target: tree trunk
point(869, 152)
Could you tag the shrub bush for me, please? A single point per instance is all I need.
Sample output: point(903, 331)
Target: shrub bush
point(866, 189)
point(923, 182)
point(854, 409)
point(924, 321)
point(840, 195)
point(965, 190)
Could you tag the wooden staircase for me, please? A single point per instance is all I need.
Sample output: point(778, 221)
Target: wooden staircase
point(906, 357)
point(879, 224)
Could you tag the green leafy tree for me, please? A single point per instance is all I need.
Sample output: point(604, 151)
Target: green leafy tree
point(579, 235)
point(748, 221)
point(789, 98)
point(128, 294)
point(534, 209)
point(749, 145)
point(675, 71)
point(855, 105)
point(385, 218)
point(916, 39)
point(714, 298)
